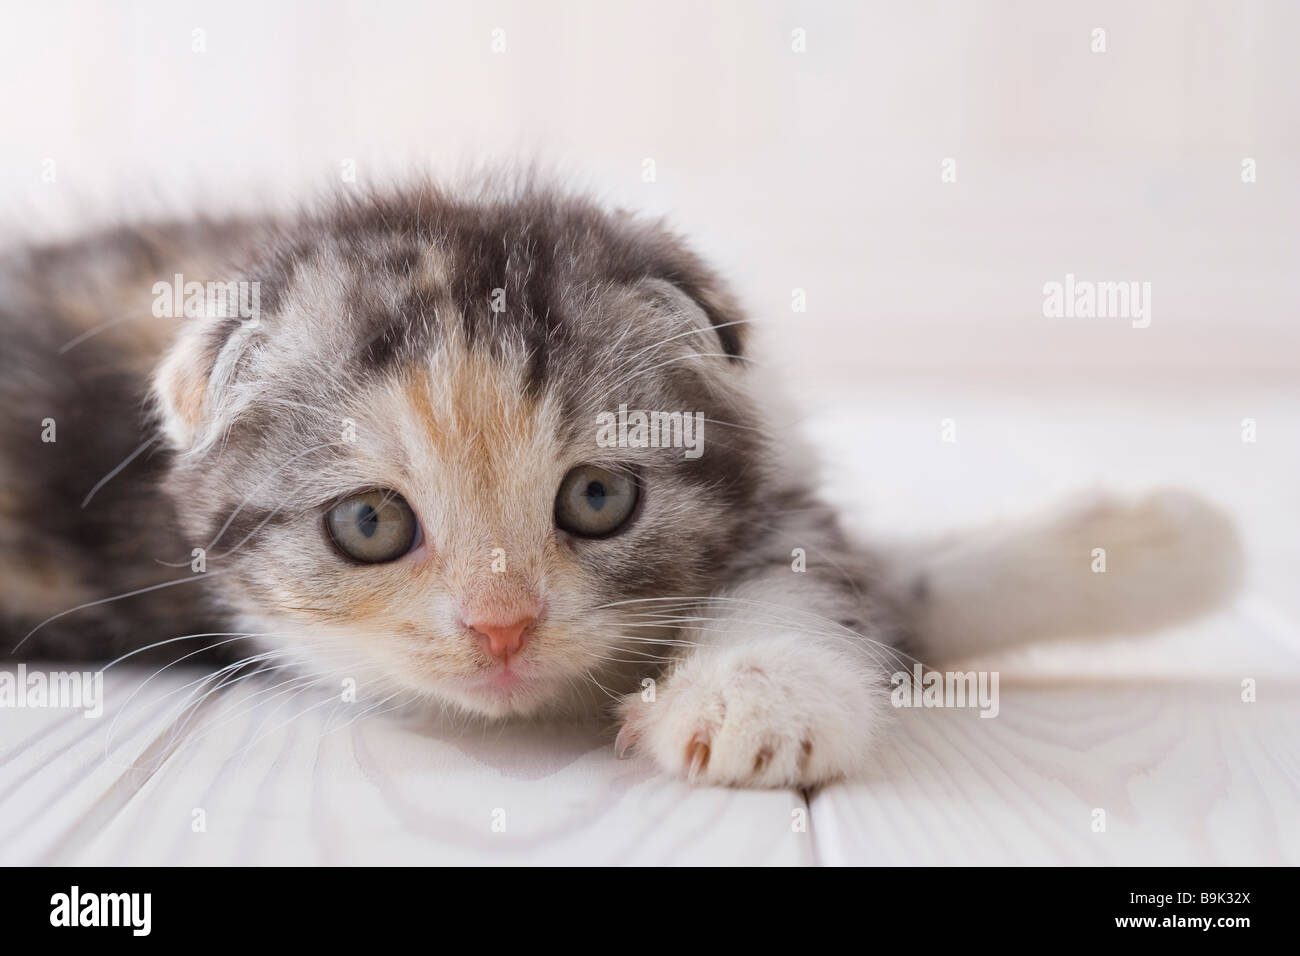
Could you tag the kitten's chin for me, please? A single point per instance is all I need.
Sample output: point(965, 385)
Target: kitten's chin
point(499, 695)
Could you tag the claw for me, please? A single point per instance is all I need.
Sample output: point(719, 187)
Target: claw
point(697, 757)
point(625, 741)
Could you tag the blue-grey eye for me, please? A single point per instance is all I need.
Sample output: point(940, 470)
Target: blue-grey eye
point(373, 526)
point(593, 502)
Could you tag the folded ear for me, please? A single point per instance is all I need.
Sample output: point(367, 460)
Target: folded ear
point(706, 308)
point(653, 253)
point(187, 382)
point(180, 386)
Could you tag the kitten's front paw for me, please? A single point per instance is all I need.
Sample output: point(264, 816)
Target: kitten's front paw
point(778, 714)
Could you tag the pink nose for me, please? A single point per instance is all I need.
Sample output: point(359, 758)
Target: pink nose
point(502, 640)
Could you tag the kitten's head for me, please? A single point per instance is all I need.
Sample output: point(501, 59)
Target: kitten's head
point(406, 466)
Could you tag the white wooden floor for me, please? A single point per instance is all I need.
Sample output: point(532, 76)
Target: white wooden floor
point(1185, 772)
point(1151, 731)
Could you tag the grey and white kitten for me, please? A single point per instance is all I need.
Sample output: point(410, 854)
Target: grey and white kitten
point(393, 465)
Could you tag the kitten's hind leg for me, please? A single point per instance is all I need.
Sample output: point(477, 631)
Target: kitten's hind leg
point(1103, 566)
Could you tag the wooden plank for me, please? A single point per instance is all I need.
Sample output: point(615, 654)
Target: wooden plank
point(56, 766)
point(294, 782)
point(1186, 774)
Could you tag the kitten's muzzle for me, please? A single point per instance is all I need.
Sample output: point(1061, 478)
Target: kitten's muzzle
point(501, 615)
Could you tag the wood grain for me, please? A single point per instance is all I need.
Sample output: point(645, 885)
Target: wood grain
point(301, 783)
point(1186, 774)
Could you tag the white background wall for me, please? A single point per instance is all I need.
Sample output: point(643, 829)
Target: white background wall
point(818, 170)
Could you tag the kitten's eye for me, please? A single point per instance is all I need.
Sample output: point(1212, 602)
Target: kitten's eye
point(593, 502)
point(372, 527)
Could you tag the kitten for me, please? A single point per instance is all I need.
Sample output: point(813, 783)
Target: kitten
point(401, 464)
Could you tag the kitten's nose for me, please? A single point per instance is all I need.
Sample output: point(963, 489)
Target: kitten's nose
point(503, 640)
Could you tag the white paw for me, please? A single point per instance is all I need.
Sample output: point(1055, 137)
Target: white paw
point(782, 713)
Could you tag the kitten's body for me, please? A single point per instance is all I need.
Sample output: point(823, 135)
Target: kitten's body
point(459, 352)
point(80, 344)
